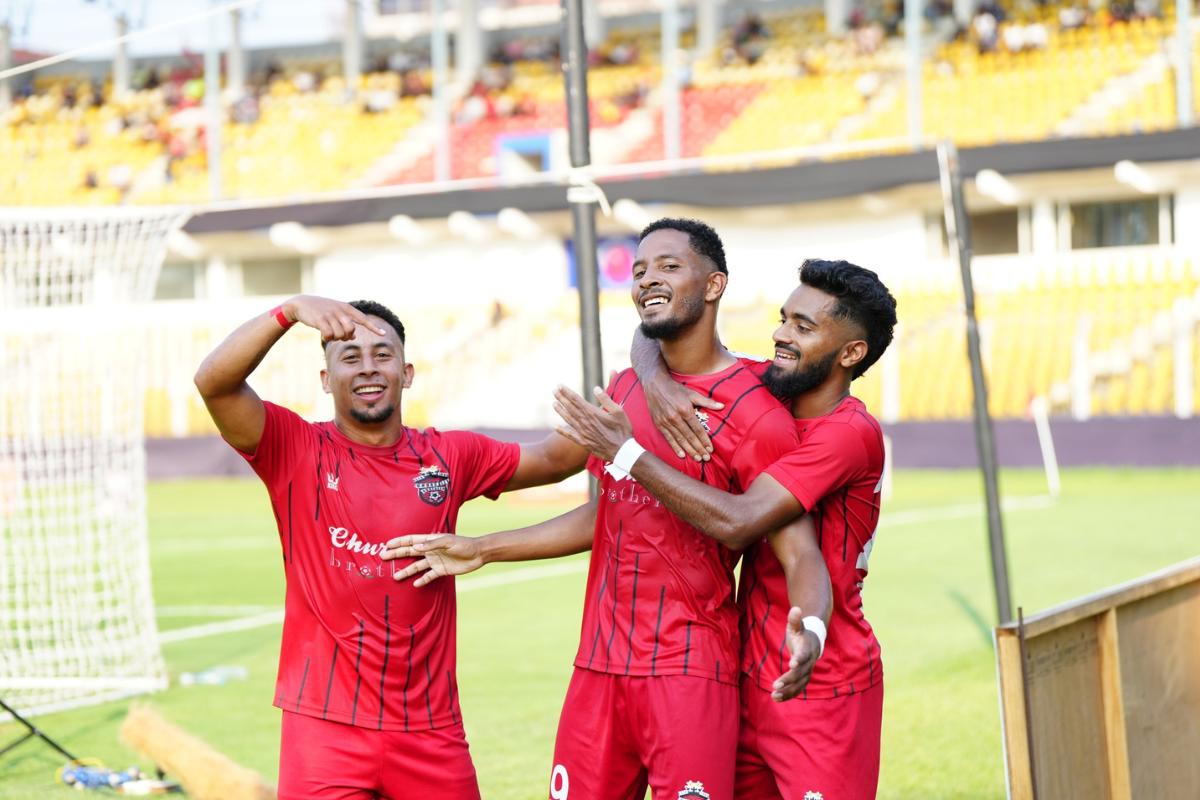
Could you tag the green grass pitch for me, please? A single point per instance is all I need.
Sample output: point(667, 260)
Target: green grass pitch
point(928, 596)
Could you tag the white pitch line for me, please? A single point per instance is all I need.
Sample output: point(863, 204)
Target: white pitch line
point(525, 574)
point(962, 511)
point(211, 611)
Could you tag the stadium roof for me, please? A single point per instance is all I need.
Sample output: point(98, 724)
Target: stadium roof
point(806, 182)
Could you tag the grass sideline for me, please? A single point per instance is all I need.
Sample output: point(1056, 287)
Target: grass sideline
point(928, 596)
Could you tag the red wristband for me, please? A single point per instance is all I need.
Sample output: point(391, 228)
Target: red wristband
point(281, 318)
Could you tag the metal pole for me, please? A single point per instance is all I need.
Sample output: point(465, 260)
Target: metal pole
point(236, 78)
point(352, 48)
point(958, 231)
point(5, 63)
point(1183, 62)
point(439, 48)
point(912, 45)
point(120, 68)
point(212, 105)
point(583, 202)
point(672, 130)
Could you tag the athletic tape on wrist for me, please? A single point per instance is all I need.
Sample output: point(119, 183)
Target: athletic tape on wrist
point(627, 456)
point(281, 318)
point(817, 626)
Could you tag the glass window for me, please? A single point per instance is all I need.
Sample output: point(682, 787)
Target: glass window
point(277, 276)
point(995, 232)
point(177, 281)
point(1119, 224)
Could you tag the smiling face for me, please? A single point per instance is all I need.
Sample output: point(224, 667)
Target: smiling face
point(810, 343)
point(367, 375)
point(672, 284)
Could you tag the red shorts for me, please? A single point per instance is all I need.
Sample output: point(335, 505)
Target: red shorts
point(800, 749)
point(335, 761)
point(617, 735)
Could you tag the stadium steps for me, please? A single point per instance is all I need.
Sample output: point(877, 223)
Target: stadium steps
point(1095, 113)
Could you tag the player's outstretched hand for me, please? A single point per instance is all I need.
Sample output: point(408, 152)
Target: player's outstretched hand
point(805, 647)
point(333, 318)
point(600, 430)
point(674, 410)
point(437, 554)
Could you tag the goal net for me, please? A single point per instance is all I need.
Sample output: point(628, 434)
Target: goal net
point(76, 610)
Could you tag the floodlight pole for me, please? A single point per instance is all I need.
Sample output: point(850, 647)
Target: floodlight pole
point(958, 232)
point(582, 199)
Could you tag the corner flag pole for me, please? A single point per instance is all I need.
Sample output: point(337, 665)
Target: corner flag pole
point(958, 231)
point(582, 195)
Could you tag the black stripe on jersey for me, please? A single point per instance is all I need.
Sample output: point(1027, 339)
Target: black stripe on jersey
point(387, 641)
point(445, 466)
point(450, 685)
point(599, 619)
point(729, 413)
point(835, 691)
point(632, 613)
point(662, 594)
point(304, 680)
point(320, 460)
point(616, 577)
point(289, 550)
point(718, 671)
point(632, 385)
point(357, 673)
point(713, 388)
point(687, 647)
point(428, 689)
point(329, 686)
point(845, 521)
point(412, 643)
point(851, 689)
point(416, 455)
point(352, 456)
point(617, 384)
point(762, 661)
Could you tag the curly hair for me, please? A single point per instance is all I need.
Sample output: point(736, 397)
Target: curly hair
point(861, 298)
point(703, 239)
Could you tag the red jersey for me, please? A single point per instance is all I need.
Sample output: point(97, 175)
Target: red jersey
point(359, 647)
point(660, 594)
point(836, 474)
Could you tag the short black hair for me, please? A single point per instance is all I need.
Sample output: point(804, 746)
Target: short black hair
point(702, 238)
point(861, 298)
point(373, 309)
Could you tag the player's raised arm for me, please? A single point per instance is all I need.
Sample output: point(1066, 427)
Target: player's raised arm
point(811, 597)
point(672, 407)
point(221, 379)
point(448, 554)
point(549, 461)
point(732, 519)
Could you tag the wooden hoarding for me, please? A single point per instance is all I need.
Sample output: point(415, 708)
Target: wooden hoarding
point(1100, 698)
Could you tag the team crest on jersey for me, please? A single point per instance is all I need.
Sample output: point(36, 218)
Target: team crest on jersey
point(813, 796)
point(433, 485)
point(332, 480)
point(693, 790)
point(700, 415)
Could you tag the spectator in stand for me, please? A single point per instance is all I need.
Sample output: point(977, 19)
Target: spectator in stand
point(1072, 17)
point(984, 31)
point(750, 38)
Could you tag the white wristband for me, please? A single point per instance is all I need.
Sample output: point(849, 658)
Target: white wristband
point(817, 626)
point(627, 456)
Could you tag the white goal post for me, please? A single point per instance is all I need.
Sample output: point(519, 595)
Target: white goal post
point(76, 610)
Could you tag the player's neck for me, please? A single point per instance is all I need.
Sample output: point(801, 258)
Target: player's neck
point(820, 401)
point(696, 351)
point(381, 435)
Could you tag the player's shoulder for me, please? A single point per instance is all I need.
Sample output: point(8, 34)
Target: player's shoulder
point(850, 421)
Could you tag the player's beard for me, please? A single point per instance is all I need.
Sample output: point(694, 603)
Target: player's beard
point(690, 311)
point(373, 416)
point(788, 383)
